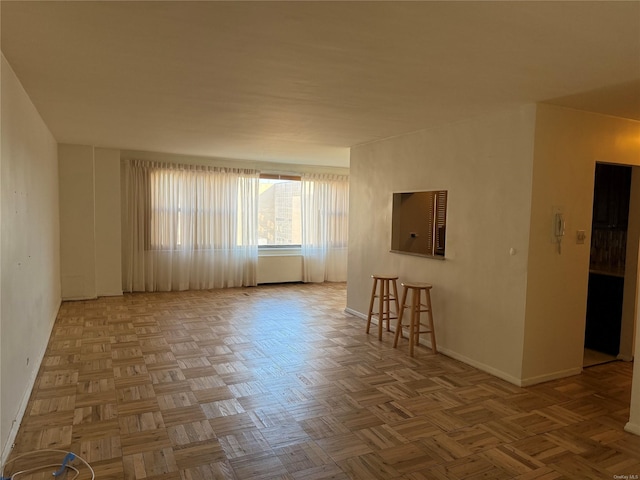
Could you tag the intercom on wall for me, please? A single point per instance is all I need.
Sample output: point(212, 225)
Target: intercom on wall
point(558, 227)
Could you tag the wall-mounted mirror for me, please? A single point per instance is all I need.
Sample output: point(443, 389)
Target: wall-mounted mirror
point(419, 223)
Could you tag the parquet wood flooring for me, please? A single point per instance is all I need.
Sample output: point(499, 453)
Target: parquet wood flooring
point(276, 382)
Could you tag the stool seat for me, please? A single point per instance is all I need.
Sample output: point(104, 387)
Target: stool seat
point(416, 285)
point(385, 298)
point(417, 308)
point(385, 277)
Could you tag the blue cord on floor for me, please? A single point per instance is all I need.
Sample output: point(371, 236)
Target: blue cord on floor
point(70, 457)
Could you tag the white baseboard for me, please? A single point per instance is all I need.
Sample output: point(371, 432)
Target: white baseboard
point(450, 353)
point(105, 294)
point(77, 299)
point(15, 426)
point(111, 294)
point(569, 372)
point(355, 313)
point(481, 366)
point(632, 428)
point(486, 368)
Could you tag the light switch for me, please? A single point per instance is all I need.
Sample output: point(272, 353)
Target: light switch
point(581, 235)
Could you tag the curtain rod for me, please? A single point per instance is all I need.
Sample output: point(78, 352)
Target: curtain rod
point(281, 176)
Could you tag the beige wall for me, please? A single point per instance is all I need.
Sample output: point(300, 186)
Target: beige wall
point(505, 299)
point(77, 222)
point(89, 221)
point(479, 289)
point(107, 222)
point(30, 279)
point(568, 144)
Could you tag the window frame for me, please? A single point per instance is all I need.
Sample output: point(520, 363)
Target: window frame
point(409, 227)
point(295, 247)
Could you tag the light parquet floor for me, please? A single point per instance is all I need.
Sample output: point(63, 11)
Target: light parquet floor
point(276, 382)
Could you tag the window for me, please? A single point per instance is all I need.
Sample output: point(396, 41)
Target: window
point(279, 211)
point(195, 208)
point(419, 223)
point(189, 227)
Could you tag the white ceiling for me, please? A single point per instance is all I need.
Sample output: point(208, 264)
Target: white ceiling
point(304, 81)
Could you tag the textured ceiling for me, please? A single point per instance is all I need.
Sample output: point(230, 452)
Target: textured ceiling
point(304, 81)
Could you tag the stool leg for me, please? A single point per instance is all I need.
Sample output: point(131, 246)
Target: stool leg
point(380, 309)
point(373, 295)
point(431, 327)
point(395, 298)
point(388, 302)
point(383, 295)
point(400, 314)
point(418, 315)
point(415, 303)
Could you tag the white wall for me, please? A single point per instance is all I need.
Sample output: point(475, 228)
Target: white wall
point(568, 144)
point(90, 221)
point(107, 222)
point(30, 278)
point(479, 289)
point(77, 222)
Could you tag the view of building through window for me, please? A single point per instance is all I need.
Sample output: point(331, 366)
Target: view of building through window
point(279, 212)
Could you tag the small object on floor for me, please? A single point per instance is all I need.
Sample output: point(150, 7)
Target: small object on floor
point(69, 457)
point(24, 466)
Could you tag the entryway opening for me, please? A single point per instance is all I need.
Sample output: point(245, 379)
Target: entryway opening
point(611, 302)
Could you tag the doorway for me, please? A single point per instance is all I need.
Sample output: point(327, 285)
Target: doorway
point(607, 263)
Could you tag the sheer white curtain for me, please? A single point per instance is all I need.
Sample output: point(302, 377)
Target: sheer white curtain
point(188, 227)
point(325, 227)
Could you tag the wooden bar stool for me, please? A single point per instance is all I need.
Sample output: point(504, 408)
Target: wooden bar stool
point(417, 308)
point(385, 297)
